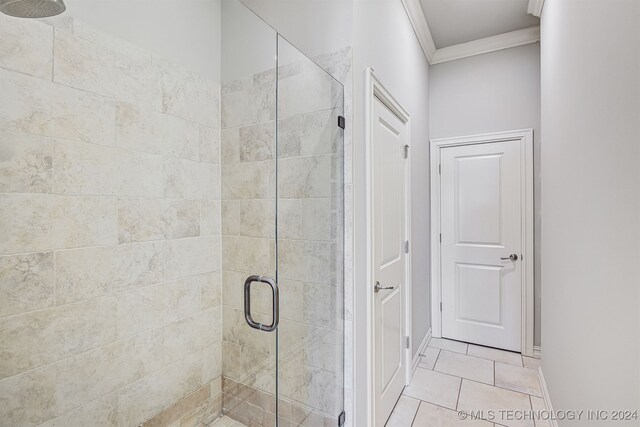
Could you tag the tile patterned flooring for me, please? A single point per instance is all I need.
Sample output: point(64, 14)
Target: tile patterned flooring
point(453, 376)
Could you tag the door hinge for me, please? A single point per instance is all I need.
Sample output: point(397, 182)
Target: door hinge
point(440, 237)
point(440, 169)
point(406, 151)
point(441, 306)
point(406, 247)
point(341, 419)
point(342, 122)
point(407, 341)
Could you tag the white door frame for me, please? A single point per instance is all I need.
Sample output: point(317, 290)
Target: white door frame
point(525, 136)
point(375, 89)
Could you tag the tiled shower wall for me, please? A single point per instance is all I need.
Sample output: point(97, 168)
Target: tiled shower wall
point(110, 282)
point(310, 244)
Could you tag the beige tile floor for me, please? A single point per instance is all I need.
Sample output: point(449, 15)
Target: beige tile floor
point(453, 376)
point(225, 421)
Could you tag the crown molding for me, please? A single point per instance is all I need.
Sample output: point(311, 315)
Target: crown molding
point(420, 27)
point(535, 7)
point(476, 47)
point(486, 45)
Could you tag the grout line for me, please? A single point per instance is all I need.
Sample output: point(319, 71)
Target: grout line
point(459, 392)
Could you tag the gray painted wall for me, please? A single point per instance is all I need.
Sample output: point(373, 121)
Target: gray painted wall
point(591, 202)
point(493, 92)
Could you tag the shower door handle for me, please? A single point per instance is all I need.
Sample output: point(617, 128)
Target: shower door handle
point(276, 303)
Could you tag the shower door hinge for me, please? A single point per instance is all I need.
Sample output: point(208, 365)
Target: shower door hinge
point(439, 169)
point(440, 305)
point(407, 341)
point(406, 246)
point(406, 151)
point(341, 419)
point(342, 122)
point(440, 237)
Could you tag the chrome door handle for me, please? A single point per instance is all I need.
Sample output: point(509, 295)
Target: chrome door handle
point(512, 257)
point(377, 288)
point(276, 303)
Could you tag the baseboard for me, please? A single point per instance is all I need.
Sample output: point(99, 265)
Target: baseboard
point(423, 345)
point(546, 398)
point(537, 352)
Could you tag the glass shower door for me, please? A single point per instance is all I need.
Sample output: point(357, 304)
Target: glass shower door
point(310, 241)
point(248, 207)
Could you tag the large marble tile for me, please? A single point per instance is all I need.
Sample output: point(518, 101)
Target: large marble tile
point(428, 358)
point(92, 374)
point(495, 354)
point(26, 283)
point(62, 222)
point(154, 219)
point(209, 144)
point(190, 96)
point(187, 335)
point(305, 177)
point(469, 367)
point(320, 133)
point(40, 337)
point(28, 399)
point(191, 180)
point(153, 306)
point(431, 415)
point(290, 219)
point(252, 104)
point(26, 45)
point(114, 69)
point(318, 219)
point(96, 271)
point(519, 379)
point(138, 174)
point(192, 256)
point(481, 397)
point(247, 254)
point(210, 289)
point(26, 163)
point(403, 413)
point(210, 218)
point(306, 261)
point(230, 145)
point(102, 412)
point(304, 92)
point(43, 108)
point(144, 398)
point(246, 181)
point(252, 218)
point(434, 387)
point(257, 142)
point(449, 345)
point(142, 129)
point(81, 168)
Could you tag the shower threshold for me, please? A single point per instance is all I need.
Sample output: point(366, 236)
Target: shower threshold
point(226, 421)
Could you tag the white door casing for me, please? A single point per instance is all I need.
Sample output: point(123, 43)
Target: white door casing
point(388, 137)
point(482, 204)
point(480, 225)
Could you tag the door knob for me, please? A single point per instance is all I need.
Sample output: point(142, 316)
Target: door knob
point(377, 288)
point(512, 257)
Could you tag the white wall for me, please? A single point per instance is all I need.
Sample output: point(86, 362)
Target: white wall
point(384, 40)
point(315, 27)
point(186, 32)
point(591, 203)
point(493, 92)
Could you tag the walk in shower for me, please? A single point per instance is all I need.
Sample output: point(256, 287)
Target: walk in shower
point(172, 220)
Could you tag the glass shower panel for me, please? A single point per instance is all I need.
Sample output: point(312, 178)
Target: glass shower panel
point(310, 241)
point(248, 206)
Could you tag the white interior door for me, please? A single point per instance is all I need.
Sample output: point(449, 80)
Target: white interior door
point(481, 225)
point(389, 137)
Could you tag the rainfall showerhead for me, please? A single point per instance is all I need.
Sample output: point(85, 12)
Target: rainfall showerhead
point(32, 8)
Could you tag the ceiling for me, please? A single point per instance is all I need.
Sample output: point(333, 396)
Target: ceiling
point(453, 22)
